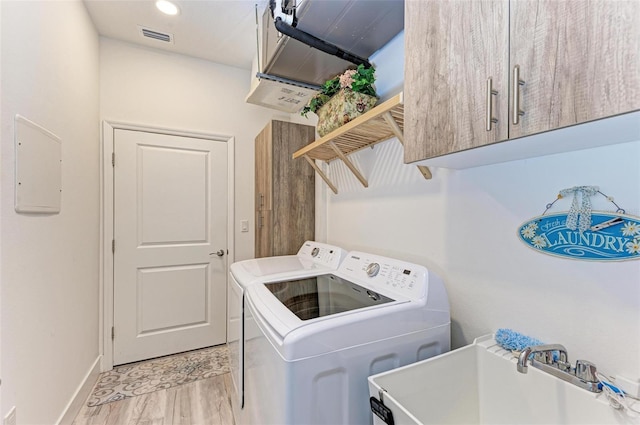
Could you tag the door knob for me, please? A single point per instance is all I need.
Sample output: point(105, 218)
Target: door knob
point(219, 253)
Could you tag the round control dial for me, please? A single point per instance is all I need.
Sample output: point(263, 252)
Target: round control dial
point(315, 251)
point(372, 269)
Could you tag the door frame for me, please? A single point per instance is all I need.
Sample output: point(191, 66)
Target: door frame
point(106, 302)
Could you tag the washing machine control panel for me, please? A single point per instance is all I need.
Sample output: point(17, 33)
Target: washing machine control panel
point(378, 272)
point(322, 254)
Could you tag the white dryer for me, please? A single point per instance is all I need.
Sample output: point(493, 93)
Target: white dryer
point(311, 342)
point(312, 258)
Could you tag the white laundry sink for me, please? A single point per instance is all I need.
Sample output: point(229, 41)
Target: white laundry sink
point(479, 384)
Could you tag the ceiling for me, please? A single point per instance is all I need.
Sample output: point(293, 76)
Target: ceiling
point(222, 31)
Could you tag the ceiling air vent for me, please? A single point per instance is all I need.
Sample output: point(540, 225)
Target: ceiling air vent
point(156, 35)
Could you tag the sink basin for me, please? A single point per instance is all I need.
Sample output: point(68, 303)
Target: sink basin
point(479, 384)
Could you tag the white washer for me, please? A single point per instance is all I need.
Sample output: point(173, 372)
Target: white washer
point(311, 342)
point(312, 257)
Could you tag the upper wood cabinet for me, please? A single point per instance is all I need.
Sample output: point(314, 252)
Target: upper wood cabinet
point(580, 61)
point(577, 61)
point(285, 190)
point(451, 49)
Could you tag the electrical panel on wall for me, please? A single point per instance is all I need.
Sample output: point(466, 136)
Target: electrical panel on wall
point(38, 173)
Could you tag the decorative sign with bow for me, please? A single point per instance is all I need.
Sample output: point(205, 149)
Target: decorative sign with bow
point(581, 233)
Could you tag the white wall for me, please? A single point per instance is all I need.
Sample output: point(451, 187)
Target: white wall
point(462, 225)
point(1, 197)
point(49, 263)
point(156, 88)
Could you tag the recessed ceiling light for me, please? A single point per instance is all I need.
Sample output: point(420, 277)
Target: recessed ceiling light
point(167, 7)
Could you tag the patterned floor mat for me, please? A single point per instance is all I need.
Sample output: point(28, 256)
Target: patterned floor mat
point(158, 374)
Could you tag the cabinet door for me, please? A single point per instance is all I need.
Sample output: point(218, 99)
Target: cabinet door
point(263, 190)
point(263, 169)
point(264, 234)
point(579, 61)
point(451, 49)
point(293, 220)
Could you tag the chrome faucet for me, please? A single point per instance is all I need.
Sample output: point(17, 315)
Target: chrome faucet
point(553, 359)
point(542, 353)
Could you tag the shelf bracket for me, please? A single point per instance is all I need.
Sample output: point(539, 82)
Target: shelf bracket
point(394, 126)
point(349, 164)
point(426, 173)
point(321, 173)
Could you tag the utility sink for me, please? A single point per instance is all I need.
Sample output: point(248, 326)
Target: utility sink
point(479, 384)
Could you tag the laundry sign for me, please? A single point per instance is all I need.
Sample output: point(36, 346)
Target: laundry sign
point(581, 233)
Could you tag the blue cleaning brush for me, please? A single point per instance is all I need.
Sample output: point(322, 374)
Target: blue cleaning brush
point(512, 340)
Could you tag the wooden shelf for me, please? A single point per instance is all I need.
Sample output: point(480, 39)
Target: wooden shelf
point(377, 125)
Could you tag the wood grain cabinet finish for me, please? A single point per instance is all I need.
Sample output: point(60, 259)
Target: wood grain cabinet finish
point(451, 49)
point(579, 61)
point(285, 190)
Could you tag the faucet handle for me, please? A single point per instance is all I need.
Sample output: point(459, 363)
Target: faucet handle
point(586, 371)
point(545, 357)
point(550, 353)
point(542, 353)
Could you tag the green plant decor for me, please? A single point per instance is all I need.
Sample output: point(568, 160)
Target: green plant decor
point(359, 80)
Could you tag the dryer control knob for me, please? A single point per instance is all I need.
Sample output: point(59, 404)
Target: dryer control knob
point(372, 269)
point(315, 251)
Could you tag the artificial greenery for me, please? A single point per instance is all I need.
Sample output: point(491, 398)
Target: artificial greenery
point(363, 81)
point(359, 80)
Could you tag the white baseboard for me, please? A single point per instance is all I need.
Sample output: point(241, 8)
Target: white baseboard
point(81, 394)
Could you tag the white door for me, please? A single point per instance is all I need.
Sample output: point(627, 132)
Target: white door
point(170, 221)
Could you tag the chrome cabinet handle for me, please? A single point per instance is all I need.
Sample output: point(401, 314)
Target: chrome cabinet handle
point(219, 253)
point(517, 82)
point(260, 221)
point(261, 200)
point(490, 93)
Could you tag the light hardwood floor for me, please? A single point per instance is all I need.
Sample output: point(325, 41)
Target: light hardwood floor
point(203, 402)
